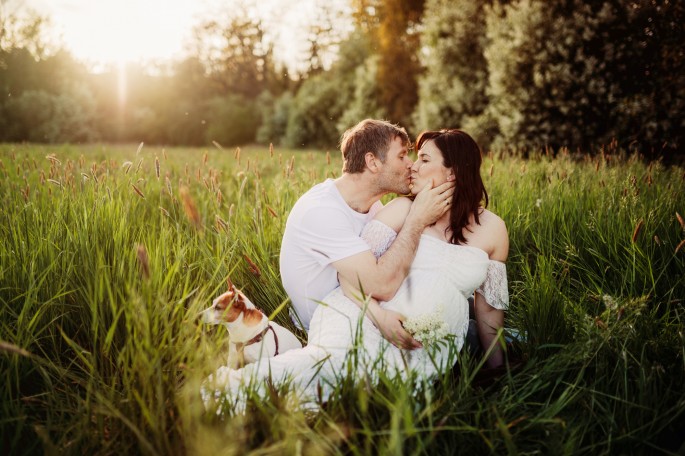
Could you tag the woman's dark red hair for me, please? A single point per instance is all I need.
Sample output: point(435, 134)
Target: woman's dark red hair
point(461, 153)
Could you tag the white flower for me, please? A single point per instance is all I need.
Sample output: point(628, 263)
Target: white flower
point(538, 202)
point(429, 327)
point(609, 302)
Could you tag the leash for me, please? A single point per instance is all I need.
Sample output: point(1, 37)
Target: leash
point(240, 346)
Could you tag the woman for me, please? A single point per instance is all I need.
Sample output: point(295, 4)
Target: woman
point(462, 252)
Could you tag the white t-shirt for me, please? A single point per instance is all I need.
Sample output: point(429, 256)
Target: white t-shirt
point(321, 229)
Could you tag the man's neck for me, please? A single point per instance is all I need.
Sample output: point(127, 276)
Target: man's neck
point(357, 191)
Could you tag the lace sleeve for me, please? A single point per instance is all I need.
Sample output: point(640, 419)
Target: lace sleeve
point(494, 288)
point(379, 236)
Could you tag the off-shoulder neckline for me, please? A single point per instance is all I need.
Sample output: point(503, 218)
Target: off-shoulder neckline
point(442, 241)
point(463, 246)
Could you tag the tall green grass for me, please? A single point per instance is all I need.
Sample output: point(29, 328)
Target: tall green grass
point(101, 283)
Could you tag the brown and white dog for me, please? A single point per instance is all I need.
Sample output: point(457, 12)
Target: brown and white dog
point(251, 335)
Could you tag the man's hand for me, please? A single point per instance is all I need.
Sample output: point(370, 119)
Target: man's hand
point(389, 323)
point(431, 203)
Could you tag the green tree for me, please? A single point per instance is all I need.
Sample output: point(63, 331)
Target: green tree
point(453, 85)
point(364, 102)
point(322, 100)
point(44, 99)
point(576, 73)
point(393, 27)
point(236, 55)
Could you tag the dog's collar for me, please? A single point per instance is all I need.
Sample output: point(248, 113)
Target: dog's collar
point(240, 346)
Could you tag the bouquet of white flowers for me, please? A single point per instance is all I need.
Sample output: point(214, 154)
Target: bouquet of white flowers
point(427, 328)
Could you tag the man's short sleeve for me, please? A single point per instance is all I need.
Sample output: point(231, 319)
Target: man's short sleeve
point(331, 234)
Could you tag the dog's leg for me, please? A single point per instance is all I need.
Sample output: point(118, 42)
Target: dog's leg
point(233, 357)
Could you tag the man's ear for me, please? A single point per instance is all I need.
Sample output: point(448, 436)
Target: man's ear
point(371, 162)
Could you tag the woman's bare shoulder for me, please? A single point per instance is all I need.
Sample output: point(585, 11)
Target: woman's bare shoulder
point(488, 217)
point(497, 232)
point(394, 213)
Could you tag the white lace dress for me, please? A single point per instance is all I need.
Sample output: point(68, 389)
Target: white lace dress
point(442, 276)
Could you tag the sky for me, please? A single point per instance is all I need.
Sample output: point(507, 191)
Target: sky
point(108, 31)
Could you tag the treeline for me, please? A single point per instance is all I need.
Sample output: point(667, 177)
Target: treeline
point(518, 74)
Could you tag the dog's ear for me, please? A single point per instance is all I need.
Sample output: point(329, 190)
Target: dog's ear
point(231, 287)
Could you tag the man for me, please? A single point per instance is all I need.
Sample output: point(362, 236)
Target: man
point(322, 235)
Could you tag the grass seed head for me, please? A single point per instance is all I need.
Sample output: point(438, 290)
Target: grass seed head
point(253, 267)
point(53, 159)
point(221, 223)
point(11, 348)
point(636, 231)
point(680, 220)
point(143, 261)
point(157, 166)
point(190, 208)
point(140, 146)
point(137, 190)
point(271, 150)
point(679, 246)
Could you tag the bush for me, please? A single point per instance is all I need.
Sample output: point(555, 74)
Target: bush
point(39, 116)
point(275, 113)
point(233, 120)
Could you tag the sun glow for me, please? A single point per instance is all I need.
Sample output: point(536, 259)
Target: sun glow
point(120, 31)
point(116, 31)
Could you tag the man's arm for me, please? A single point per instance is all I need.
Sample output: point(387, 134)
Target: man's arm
point(381, 278)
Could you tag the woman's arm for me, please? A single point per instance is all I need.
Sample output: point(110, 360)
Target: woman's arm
point(394, 213)
point(490, 319)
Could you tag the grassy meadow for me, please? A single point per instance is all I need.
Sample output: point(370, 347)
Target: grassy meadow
point(107, 254)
